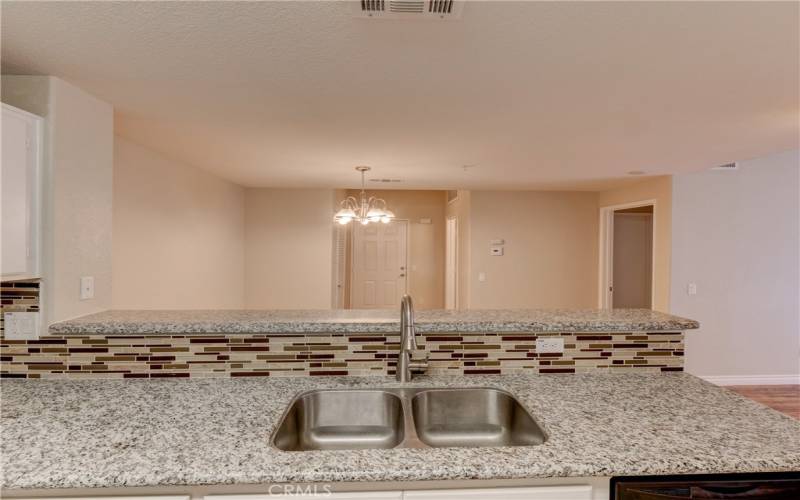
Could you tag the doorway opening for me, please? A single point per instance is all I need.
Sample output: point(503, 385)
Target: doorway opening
point(627, 253)
point(379, 265)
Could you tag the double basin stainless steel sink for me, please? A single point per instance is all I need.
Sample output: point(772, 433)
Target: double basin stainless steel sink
point(405, 418)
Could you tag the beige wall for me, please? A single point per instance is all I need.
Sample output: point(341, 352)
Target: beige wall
point(178, 234)
point(460, 210)
point(426, 241)
point(660, 190)
point(77, 197)
point(550, 249)
point(288, 248)
point(737, 237)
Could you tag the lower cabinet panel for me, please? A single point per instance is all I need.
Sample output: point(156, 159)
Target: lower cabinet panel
point(580, 492)
point(319, 493)
point(115, 497)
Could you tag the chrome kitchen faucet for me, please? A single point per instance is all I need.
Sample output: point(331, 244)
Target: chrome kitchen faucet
point(408, 343)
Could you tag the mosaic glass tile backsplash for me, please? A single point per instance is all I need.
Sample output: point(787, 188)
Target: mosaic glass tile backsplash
point(96, 356)
point(291, 355)
point(18, 296)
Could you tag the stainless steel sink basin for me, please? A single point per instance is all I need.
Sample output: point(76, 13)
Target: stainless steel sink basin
point(342, 420)
point(473, 417)
point(405, 418)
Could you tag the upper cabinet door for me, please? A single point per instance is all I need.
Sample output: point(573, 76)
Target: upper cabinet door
point(19, 193)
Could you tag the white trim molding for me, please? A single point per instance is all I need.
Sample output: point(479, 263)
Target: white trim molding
point(752, 379)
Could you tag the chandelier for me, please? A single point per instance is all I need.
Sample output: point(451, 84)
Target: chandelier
point(364, 209)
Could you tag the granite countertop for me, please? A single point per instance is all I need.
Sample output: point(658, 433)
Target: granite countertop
point(105, 433)
point(122, 322)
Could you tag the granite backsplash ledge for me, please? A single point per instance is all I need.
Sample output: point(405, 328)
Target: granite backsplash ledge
point(166, 322)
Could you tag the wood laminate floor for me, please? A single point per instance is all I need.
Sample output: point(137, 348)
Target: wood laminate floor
point(784, 398)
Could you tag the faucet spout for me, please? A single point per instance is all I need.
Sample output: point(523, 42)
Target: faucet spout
point(408, 342)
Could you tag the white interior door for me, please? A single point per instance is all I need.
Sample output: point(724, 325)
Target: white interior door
point(380, 273)
point(451, 264)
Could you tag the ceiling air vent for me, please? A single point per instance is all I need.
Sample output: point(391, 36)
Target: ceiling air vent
point(406, 6)
point(408, 9)
point(372, 5)
point(727, 166)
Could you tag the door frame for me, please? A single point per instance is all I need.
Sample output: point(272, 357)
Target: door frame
point(353, 258)
point(454, 243)
point(605, 297)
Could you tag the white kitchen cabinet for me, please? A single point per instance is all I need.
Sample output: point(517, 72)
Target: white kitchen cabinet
point(578, 492)
point(320, 492)
point(115, 497)
point(20, 193)
point(309, 492)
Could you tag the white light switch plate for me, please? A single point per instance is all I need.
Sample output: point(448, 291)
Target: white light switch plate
point(496, 251)
point(691, 289)
point(87, 287)
point(550, 344)
point(21, 325)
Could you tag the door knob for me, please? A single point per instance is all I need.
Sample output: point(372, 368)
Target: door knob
point(402, 274)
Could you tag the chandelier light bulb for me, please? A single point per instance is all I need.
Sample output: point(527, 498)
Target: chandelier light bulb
point(375, 214)
point(387, 216)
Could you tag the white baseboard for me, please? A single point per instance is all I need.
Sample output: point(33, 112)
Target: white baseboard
point(752, 379)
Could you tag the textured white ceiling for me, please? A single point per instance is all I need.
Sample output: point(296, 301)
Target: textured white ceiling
point(535, 95)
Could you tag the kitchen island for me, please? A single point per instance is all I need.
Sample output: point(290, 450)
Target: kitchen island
point(605, 387)
point(172, 436)
point(256, 343)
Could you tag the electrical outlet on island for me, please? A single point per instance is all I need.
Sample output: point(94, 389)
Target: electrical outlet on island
point(550, 344)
